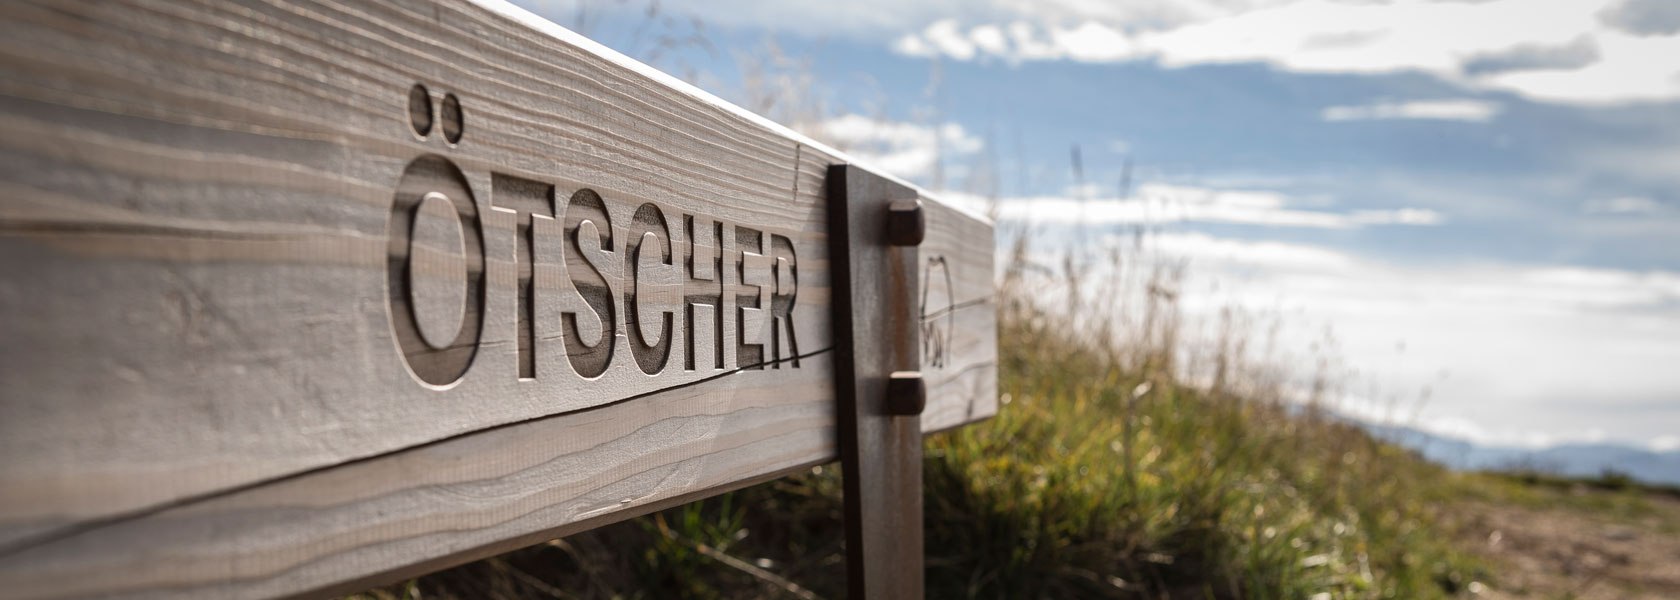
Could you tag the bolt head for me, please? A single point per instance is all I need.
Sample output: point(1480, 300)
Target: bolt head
point(906, 223)
point(906, 393)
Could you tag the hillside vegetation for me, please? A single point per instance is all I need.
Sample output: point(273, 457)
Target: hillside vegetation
point(1102, 476)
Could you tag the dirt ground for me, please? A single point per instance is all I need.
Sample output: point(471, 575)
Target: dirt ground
point(1569, 552)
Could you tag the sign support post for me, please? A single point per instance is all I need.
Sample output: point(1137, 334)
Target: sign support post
point(875, 226)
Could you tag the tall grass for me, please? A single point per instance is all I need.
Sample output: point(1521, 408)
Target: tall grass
point(1104, 475)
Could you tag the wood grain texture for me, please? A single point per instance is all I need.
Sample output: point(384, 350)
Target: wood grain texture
point(332, 529)
point(959, 319)
point(205, 388)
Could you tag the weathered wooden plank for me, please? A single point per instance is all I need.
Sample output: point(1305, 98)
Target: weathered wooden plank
point(240, 212)
point(958, 318)
point(443, 503)
point(277, 320)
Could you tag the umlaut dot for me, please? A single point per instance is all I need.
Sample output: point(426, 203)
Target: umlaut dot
point(453, 121)
point(420, 110)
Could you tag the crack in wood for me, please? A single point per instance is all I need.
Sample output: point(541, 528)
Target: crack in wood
point(24, 544)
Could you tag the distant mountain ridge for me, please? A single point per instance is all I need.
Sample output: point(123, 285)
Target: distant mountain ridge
point(1575, 460)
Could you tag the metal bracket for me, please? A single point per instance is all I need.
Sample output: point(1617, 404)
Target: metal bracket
point(875, 225)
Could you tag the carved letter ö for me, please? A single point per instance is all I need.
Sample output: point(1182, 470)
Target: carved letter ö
point(432, 197)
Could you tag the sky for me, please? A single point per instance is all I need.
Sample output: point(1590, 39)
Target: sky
point(1479, 200)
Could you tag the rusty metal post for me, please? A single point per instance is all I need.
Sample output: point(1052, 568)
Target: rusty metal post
point(874, 228)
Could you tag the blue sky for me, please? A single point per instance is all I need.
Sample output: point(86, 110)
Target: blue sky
point(1480, 199)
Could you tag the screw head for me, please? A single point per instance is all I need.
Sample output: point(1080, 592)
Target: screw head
point(906, 223)
point(906, 393)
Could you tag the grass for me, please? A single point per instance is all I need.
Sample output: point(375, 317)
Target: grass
point(1098, 480)
point(1102, 476)
point(1609, 496)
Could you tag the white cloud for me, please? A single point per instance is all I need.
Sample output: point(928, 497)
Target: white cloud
point(1533, 354)
point(1201, 247)
point(1568, 51)
point(1558, 51)
point(1632, 68)
point(1506, 437)
point(1164, 203)
point(1093, 42)
point(1514, 354)
point(915, 46)
point(1025, 44)
point(1446, 110)
point(1625, 205)
point(903, 149)
point(1323, 36)
point(945, 37)
point(1511, 353)
point(1089, 41)
point(1399, 216)
point(989, 38)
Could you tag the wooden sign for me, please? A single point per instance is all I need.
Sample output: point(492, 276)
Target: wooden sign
point(298, 297)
